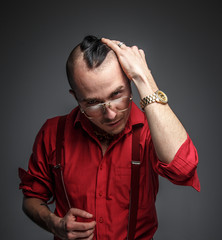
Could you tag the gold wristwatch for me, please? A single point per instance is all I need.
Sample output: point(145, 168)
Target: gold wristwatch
point(158, 96)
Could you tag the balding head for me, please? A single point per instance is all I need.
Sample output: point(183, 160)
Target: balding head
point(89, 54)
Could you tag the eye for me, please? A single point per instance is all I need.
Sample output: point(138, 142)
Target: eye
point(92, 102)
point(116, 94)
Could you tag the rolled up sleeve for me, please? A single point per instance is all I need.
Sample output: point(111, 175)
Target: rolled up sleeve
point(37, 180)
point(33, 186)
point(182, 170)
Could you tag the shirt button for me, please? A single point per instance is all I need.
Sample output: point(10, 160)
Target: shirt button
point(100, 194)
point(101, 220)
point(101, 167)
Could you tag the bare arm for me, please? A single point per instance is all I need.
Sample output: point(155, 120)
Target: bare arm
point(35, 209)
point(64, 228)
point(168, 134)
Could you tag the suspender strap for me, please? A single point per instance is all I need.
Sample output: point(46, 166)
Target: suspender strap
point(59, 147)
point(135, 177)
point(60, 139)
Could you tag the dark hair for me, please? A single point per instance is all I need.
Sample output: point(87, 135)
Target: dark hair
point(95, 52)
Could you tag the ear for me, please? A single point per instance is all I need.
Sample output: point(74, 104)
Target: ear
point(73, 93)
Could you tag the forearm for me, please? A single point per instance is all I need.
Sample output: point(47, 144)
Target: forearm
point(38, 212)
point(167, 132)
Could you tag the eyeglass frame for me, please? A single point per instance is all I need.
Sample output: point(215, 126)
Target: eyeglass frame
point(106, 104)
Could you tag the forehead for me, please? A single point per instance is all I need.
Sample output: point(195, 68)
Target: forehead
point(99, 82)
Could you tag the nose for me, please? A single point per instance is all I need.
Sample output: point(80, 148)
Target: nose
point(109, 113)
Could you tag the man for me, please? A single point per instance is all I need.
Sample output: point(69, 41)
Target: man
point(96, 162)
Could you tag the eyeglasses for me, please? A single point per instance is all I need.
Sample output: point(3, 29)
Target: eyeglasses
point(120, 105)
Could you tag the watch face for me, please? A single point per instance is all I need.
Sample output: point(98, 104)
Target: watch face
point(162, 96)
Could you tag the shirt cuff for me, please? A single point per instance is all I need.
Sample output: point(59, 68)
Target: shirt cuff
point(182, 169)
point(33, 186)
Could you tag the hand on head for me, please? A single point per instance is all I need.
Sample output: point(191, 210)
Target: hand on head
point(131, 59)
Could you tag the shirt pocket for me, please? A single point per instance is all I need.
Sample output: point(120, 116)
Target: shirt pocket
point(123, 185)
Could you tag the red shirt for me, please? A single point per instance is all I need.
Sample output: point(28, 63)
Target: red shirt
point(101, 184)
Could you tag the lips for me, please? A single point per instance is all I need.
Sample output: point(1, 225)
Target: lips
point(114, 123)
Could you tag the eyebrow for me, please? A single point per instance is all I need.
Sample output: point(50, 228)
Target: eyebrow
point(99, 99)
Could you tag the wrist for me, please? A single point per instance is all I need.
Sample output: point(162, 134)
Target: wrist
point(52, 222)
point(158, 96)
point(144, 89)
point(145, 85)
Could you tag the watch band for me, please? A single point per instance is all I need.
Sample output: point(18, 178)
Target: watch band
point(158, 96)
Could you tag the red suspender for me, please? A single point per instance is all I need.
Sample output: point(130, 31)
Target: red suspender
point(135, 173)
point(60, 139)
point(135, 177)
point(59, 147)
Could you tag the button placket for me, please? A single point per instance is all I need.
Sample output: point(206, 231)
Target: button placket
point(100, 197)
point(101, 167)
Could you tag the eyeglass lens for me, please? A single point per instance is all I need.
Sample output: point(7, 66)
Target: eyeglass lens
point(120, 104)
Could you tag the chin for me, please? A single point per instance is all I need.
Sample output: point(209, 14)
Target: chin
point(115, 131)
point(115, 128)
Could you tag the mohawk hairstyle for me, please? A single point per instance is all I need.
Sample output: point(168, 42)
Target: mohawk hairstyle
point(94, 53)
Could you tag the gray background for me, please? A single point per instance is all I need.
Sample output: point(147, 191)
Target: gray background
point(182, 41)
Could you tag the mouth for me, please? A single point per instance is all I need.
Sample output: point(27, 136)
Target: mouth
point(114, 124)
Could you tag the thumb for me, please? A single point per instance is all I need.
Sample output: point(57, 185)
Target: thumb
point(80, 213)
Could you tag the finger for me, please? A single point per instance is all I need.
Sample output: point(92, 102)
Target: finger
point(80, 213)
point(80, 234)
point(135, 48)
point(142, 54)
point(113, 44)
point(80, 226)
point(91, 236)
point(120, 44)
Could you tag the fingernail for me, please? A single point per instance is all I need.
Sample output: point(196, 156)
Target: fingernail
point(89, 215)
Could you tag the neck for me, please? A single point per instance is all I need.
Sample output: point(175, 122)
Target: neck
point(104, 137)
